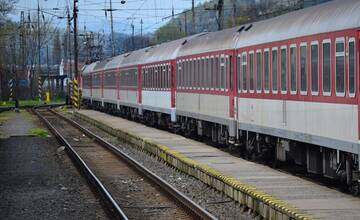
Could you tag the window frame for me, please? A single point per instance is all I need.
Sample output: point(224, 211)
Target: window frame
point(211, 64)
point(198, 81)
point(293, 92)
point(351, 40)
point(277, 72)
point(227, 72)
point(259, 51)
point(217, 72)
point(325, 41)
point(238, 73)
point(287, 69)
point(248, 61)
point(203, 64)
point(222, 65)
point(340, 40)
point(244, 80)
point(266, 50)
point(315, 93)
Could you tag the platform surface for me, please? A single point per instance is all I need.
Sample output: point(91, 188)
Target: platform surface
point(317, 200)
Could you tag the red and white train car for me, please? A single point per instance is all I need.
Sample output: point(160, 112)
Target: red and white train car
point(285, 88)
point(298, 80)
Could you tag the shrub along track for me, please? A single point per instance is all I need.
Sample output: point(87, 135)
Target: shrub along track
point(120, 180)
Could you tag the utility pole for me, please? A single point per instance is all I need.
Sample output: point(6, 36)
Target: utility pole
point(220, 14)
point(69, 42)
point(39, 55)
point(47, 67)
point(186, 32)
point(193, 17)
point(141, 34)
point(132, 37)
point(75, 11)
point(22, 43)
point(112, 30)
point(234, 13)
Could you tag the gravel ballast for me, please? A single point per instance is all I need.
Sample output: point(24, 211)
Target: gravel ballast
point(215, 202)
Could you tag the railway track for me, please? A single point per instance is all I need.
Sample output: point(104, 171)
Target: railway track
point(128, 189)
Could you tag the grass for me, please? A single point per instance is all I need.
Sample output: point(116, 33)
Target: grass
point(4, 116)
point(30, 102)
point(39, 132)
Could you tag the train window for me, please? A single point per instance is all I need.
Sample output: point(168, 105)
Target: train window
point(266, 71)
point(184, 72)
point(258, 71)
point(352, 70)
point(238, 69)
point(168, 76)
point(303, 68)
point(207, 73)
point(217, 64)
point(203, 73)
point(244, 71)
point(198, 72)
point(178, 79)
point(227, 71)
point(212, 72)
point(314, 68)
point(326, 68)
point(293, 69)
point(251, 71)
point(152, 77)
point(340, 66)
point(222, 73)
point(274, 69)
point(194, 74)
point(283, 69)
point(155, 78)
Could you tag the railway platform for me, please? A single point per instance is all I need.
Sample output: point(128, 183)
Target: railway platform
point(273, 194)
point(37, 179)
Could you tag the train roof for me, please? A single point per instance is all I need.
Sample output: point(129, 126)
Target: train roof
point(210, 41)
point(100, 65)
point(327, 17)
point(88, 68)
point(115, 62)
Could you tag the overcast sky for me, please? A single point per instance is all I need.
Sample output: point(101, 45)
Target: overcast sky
point(92, 15)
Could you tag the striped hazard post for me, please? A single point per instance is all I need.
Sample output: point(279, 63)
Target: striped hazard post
point(75, 98)
point(40, 87)
point(11, 86)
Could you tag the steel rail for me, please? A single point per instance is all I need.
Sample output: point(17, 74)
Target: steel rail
point(195, 209)
point(110, 202)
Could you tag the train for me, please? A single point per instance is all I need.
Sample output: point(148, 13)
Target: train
point(285, 89)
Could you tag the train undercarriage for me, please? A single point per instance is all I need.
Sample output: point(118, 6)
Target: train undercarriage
point(334, 166)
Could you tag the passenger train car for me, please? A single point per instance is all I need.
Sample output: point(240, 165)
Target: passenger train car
point(285, 88)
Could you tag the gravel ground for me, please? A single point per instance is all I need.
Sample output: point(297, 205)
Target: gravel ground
point(38, 180)
point(215, 202)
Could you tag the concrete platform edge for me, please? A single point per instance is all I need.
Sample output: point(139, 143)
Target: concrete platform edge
point(260, 202)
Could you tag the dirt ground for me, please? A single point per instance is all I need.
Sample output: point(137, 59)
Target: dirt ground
point(37, 179)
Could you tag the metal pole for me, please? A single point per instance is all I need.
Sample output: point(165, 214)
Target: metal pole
point(47, 66)
point(221, 16)
point(39, 55)
point(112, 30)
point(193, 17)
point(132, 37)
point(141, 34)
point(69, 42)
point(75, 40)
